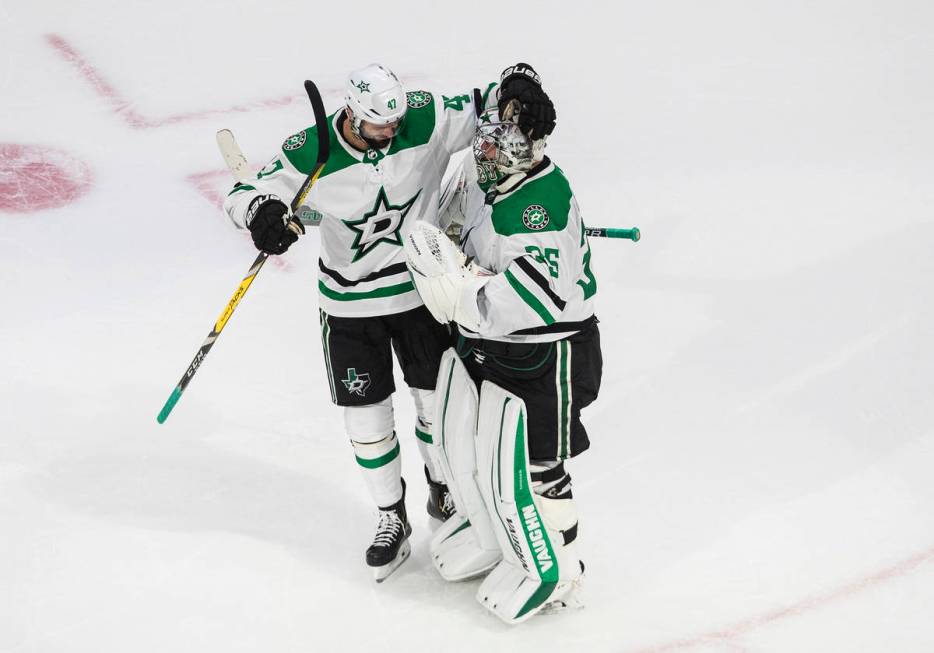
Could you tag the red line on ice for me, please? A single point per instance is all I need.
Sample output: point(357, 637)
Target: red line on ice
point(125, 109)
point(870, 581)
point(202, 181)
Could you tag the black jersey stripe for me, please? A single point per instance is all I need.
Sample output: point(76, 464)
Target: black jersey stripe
point(569, 328)
point(397, 268)
point(536, 276)
point(557, 327)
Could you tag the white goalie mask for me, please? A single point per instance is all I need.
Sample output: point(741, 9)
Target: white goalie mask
point(502, 143)
point(375, 95)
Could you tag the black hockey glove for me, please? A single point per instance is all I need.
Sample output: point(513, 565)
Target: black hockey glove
point(271, 226)
point(536, 112)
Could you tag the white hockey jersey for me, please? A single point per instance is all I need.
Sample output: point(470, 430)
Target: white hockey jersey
point(532, 238)
point(367, 201)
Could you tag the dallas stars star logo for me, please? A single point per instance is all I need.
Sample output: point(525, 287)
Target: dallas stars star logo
point(379, 225)
point(356, 384)
point(535, 217)
point(418, 99)
point(363, 86)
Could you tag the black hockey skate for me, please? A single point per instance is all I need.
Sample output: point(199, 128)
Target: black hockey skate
point(440, 502)
point(390, 546)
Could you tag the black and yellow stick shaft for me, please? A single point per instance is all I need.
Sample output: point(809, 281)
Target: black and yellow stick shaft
point(323, 149)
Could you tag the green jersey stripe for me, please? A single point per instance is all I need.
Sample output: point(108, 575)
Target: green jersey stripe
point(387, 291)
point(240, 187)
point(533, 275)
point(529, 298)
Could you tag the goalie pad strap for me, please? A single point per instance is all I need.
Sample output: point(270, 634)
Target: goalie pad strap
point(557, 490)
point(548, 475)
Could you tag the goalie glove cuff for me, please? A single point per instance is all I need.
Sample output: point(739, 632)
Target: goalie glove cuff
point(521, 98)
point(522, 70)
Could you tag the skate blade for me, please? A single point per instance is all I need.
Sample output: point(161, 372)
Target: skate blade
point(381, 573)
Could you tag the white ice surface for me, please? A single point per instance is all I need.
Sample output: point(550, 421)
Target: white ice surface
point(762, 471)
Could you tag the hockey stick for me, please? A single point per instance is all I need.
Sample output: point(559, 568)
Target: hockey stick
point(240, 169)
point(317, 107)
point(608, 232)
point(233, 156)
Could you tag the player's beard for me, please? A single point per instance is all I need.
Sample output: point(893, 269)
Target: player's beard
point(377, 144)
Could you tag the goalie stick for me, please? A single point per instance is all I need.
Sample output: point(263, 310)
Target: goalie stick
point(238, 166)
point(609, 232)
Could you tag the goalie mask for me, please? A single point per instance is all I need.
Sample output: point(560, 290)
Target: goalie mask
point(376, 104)
point(502, 143)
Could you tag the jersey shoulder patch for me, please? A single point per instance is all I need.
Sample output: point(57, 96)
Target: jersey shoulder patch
point(418, 99)
point(539, 205)
point(418, 124)
point(301, 150)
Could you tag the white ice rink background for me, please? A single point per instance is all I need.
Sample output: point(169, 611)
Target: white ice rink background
point(761, 477)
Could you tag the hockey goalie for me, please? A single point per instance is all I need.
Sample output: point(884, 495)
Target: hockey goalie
point(521, 291)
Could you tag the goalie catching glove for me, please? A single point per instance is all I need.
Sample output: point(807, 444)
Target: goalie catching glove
point(272, 225)
point(447, 286)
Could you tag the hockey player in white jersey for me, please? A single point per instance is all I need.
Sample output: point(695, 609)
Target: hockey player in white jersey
point(528, 359)
point(388, 151)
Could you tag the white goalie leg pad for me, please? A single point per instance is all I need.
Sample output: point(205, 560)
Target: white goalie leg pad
point(539, 566)
point(465, 545)
point(559, 516)
point(376, 449)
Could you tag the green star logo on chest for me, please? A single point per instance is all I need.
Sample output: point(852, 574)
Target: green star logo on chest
point(380, 225)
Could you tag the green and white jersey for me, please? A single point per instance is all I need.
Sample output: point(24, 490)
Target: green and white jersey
point(531, 237)
point(367, 201)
